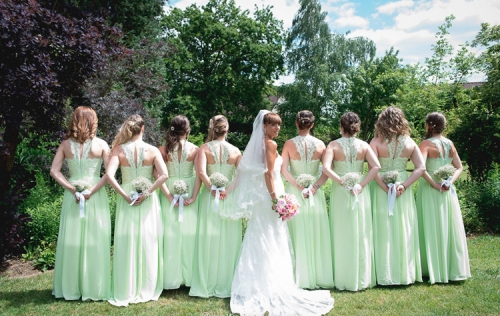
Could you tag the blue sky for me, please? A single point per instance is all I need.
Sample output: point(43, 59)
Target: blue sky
point(407, 25)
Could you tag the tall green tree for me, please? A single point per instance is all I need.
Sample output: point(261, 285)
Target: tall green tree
point(225, 60)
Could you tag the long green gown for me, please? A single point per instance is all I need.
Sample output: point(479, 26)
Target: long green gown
point(138, 248)
point(351, 226)
point(309, 229)
point(218, 239)
point(179, 229)
point(397, 254)
point(443, 245)
point(82, 267)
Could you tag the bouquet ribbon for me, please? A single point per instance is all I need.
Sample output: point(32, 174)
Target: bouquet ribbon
point(134, 196)
point(355, 189)
point(447, 183)
point(391, 197)
point(180, 198)
point(217, 196)
point(309, 192)
point(81, 198)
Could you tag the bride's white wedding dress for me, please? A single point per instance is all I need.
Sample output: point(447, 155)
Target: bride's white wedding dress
point(264, 279)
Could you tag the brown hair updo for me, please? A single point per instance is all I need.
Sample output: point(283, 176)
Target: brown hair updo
point(83, 124)
point(131, 127)
point(217, 127)
point(436, 123)
point(179, 126)
point(351, 123)
point(391, 124)
point(305, 119)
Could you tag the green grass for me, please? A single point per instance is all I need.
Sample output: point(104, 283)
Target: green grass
point(479, 295)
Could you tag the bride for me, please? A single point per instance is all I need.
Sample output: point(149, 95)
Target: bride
point(263, 281)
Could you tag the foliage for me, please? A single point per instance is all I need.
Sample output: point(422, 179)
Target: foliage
point(43, 256)
point(486, 197)
point(470, 213)
point(224, 63)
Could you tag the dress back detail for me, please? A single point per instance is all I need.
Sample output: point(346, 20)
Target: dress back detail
point(136, 169)
point(351, 147)
point(80, 166)
point(180, 168)
point(306, 145)
point(220, 150)
point(395, 161)
point(444, 147)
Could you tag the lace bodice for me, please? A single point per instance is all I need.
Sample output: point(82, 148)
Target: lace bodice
point(432, 164)
point(80, 166)
point(181, 168)
point(306, 145)
point(220, 151)
point(351, 147)
point(395, 161)
point(136, 169)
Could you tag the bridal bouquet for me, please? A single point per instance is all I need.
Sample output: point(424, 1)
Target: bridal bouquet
point(141, 186)
point(446, 173)
point(306, 181)
point(82, 187)
point(351, 181)
point(286, 206)
point(219, 182)
point(180, 193)
point(390, 177)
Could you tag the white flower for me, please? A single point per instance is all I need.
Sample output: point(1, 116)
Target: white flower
point(219, 180)
point(142, 185)
point(350, 179)
point(81, 185)
point(390, 177)
point(180, 187)
point(444, 172)
point(305, 180)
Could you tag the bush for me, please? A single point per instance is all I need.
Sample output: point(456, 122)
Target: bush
point(470, 213)
point(485, 196)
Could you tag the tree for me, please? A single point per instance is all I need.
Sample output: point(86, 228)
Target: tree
point(224, 62)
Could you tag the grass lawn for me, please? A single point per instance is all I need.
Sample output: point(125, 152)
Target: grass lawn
point(479, 295)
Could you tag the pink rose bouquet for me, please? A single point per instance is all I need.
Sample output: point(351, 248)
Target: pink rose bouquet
point(286, 206)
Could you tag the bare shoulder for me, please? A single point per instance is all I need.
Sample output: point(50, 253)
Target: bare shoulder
point(101, 142)
point(319, 143)
point(271, 145)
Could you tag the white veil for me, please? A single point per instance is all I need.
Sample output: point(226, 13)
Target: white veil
point(249, 186)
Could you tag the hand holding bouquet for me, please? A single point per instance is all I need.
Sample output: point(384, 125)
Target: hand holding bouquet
point(142, 187)
point(180, 193)
point(219, 182)
point(286, 206)
point(390, 178)
point(306, 181)
point(82, 187)
point(446, 174)
point(351, 182)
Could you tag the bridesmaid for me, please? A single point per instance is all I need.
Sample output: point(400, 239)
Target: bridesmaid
point(218, 239)
point(397, 254)
point(179, 227)
point(309, 229)
point(443, 245)
point(138, 249)
point(350, 209)
point(83, 244)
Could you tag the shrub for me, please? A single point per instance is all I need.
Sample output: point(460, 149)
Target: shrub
point(485, 195)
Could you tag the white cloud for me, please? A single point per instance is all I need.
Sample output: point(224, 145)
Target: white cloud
point(391, 7)
point(346, 15)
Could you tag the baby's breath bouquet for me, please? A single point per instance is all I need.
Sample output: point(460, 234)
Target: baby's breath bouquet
point(82, 187)
point(180, 187)
point(350, 179)
point(142, 187)
point(218, 180)
point(305, 180)
point(445, 172)
point(390, 177)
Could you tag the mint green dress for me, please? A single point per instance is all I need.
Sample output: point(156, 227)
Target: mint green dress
point(351, 226)
point(397, 253)
point(309, 229)
point(138, 248)
point(443, 245)
point(179, 228)
point(82, 267)
point(218, 239)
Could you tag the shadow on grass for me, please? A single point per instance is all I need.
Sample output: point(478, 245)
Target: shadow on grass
point(29, 297)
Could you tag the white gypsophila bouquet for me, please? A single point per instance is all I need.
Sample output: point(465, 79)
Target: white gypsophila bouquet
point(219, 180)
point(81, 185)
point(445, 172)
point(390, 177)
point(142, 186)
point(305, 180)
point(350, 179)
point(180, 187)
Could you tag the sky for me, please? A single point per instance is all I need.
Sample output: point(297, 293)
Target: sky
point(408, 26)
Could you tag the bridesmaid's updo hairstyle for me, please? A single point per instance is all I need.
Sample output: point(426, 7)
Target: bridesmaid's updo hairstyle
point(131, 127)
point(83, 124)
point(351, 123)
point(305, 119)
point(391, 124)
point(179, 126)
point(271, 118)
point(436, 123)
point(218, 126)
